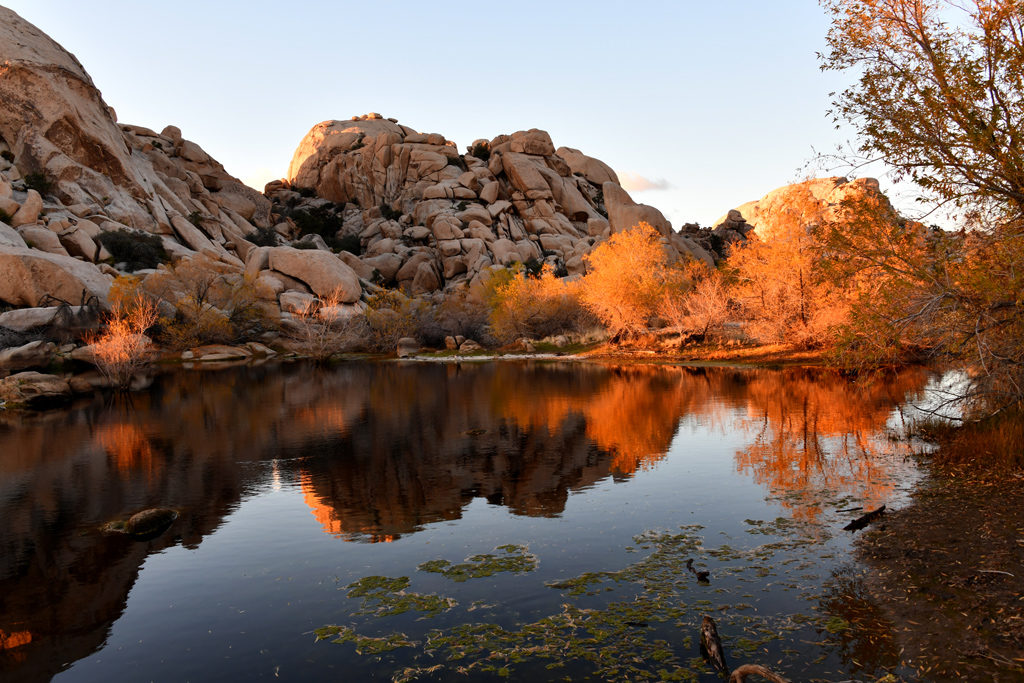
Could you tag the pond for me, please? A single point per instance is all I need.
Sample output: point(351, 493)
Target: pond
point(421, 521)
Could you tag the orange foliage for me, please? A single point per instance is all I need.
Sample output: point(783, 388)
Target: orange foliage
point(534, 307)
point(127, 445)
point(626, 279)
point(9, 641)
point(122, 349)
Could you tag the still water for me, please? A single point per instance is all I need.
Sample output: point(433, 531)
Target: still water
point(532, 520)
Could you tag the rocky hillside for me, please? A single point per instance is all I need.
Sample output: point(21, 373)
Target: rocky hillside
point(367, 202)
point(427, 217)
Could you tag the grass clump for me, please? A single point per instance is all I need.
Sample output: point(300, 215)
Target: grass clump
point(136, 249)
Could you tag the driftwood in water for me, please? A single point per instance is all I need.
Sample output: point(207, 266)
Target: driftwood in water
point(712, 650)
point(741, 673)
point(711, 645)
point(864, 520)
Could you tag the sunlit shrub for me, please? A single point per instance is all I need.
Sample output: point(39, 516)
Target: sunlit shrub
point(626, 280)
point(319, 331)
point(391, 315)
point(123, 347)
point(535, 307)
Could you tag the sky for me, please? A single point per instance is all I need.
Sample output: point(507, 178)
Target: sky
point(698, 106)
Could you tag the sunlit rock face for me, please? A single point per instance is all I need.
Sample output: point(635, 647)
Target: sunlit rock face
point(95, 175)
point(807, 204)
point(414, 197)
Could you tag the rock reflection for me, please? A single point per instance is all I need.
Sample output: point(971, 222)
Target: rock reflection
point(379, 451)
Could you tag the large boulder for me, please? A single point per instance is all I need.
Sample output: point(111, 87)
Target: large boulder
point(594, 170)
point(323, 272)
point(624, 213)
point(37, 354)
point(29, 275)
point(33, 389)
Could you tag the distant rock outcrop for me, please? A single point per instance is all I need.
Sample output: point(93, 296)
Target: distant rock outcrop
point(429, 218)
point(807, 203)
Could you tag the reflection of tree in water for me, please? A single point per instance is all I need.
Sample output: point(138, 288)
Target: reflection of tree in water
point(815, 432)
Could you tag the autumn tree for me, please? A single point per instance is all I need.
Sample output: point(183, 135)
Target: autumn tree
point(626, 279)
point(939, 96)
point(779, 284)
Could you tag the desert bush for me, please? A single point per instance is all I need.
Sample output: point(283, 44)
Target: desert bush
point(481, 151)
point(39, 182)
point(134, 248)
point(123, 348)
point(391, 315)
point(319, 332)
point(695, 301)
point(263, 237)
point(349, 243)
point(389, 213)
point(7, 155)
point(535, 307)
point(213, 304)
point(318, 220)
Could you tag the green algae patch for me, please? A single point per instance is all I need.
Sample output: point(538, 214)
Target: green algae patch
point(384, 596)
point(365, 645)
point(634, 623)
point(509, 558)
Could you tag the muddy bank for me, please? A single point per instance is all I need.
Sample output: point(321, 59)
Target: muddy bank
point(942, 588)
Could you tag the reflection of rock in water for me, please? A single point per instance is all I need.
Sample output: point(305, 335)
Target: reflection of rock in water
point(518, 437)
point(379, 451)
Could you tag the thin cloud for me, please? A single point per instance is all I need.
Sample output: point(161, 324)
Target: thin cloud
point(634, 182)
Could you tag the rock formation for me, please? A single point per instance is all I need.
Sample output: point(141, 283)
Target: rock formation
point(808, 203)
point(429, 218)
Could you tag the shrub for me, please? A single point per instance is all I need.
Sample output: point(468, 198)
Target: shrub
point(626, 280)
point(39, 182)
point(481, 151)
point(535, 306)
point(7, 155)
point(318, 221)
point(349, 243)
point(391, 315)
point(319, 333)
point(213, 304)
point(123, 348)
point(136, 249)
point(263, 237)
point(458, 162)
point(196, 219)
point(305, 191)
point(389, 213)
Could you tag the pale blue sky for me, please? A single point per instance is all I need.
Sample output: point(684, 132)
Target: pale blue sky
point(721, 101)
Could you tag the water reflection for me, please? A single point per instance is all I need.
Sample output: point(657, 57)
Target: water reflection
point(378, 451)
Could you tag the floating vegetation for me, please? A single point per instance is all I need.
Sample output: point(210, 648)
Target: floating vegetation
point(515, 559)
point(627, 624)
point(365, 645)
point(386, 596)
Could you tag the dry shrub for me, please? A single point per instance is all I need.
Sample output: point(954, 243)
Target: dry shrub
point(123, 348)
point(695, 301)
point(321, 331)
point(214, 304)
point(993, 444)
point(391, 315)
point(535, 307)
point(626, 280)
